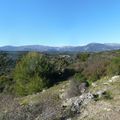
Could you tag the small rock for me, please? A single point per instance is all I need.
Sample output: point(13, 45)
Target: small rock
point(114, 79)
point(106, 83)
point(76, 103)
point(69, 119)
point(94, 85)
point(43, 90)
point(107, 109)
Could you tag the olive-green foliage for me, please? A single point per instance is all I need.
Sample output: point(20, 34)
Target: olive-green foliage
point(79, 77)
point(6, 63)
point(5, 84)
point(83, 56)
point(95, 68)
point(60, 64)
point(114, 67)
point(32, 74)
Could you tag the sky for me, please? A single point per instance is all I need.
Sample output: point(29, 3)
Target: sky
point(59, 22)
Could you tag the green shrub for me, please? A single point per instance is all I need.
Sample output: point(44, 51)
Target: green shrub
point(6, 63)
point(114, 67)
point(79, 77)
point(83, 57)
point(95, 69)
point(32, 74)
point(5, 84)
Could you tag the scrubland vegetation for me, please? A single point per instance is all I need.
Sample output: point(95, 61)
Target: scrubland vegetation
point(29, 73)
point(32, 72)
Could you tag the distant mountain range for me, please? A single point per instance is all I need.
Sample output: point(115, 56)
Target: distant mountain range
point(92, 47)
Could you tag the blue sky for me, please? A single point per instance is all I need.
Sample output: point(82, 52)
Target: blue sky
point(59, 22)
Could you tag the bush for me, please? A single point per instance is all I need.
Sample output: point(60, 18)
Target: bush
point(5, 84)
point(95, 69)
point(32, 74)
point(6, 64)
point(114, 67)
point(83, 57)
point(79, 78)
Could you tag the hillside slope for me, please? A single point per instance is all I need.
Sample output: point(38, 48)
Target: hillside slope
point(107, 104)
point(100, 102)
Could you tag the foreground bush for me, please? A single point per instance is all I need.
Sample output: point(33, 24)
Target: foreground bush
point(32, 74)
point(82, 57)
point(96, 68)
point(114, 67)
point(6, 63)
point(5, 84)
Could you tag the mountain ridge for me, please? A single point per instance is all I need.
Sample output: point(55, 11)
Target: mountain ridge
point(91, 47)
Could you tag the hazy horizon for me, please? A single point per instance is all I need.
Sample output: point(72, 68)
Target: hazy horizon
point(58, 45)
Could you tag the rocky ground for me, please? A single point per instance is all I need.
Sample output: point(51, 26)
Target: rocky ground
point(100, 102)
point(106, 106)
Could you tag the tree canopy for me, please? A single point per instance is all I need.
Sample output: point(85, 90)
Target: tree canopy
point(32, 73)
